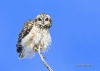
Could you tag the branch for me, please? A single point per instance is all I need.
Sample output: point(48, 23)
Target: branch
point(44, 62)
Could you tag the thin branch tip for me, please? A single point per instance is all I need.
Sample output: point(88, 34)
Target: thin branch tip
point(44, 62)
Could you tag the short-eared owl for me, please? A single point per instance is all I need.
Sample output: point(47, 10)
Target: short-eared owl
point(35, 33)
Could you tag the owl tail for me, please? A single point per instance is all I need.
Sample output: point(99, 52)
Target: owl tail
point(27, 53)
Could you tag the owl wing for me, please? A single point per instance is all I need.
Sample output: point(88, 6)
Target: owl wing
point(26, 29)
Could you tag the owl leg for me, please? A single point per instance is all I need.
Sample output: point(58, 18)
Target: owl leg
point(36, 48)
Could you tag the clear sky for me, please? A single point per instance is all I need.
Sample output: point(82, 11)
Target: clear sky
point(75, 34)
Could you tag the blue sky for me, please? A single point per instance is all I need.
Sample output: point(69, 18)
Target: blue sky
point(75, 34)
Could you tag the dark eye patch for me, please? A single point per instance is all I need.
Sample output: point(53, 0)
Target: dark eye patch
point(39, 19)
point(46, 19)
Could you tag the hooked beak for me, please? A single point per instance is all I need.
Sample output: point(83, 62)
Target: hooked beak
point(42, 22)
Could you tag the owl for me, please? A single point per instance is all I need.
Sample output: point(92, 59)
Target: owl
point(34, 34)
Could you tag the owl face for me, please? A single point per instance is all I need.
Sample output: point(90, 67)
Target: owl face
point(43, 20)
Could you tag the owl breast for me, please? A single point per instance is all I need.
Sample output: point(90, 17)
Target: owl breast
point(37, 37)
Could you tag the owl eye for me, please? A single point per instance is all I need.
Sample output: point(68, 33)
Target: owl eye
point(39, 19)
point(46, 19)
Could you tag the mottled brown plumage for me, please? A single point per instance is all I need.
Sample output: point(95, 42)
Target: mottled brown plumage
point(35, 34)
point(26, 29)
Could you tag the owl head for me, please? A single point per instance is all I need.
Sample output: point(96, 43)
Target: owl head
point(43, 20)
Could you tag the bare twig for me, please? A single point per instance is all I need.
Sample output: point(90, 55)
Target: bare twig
point(44, 62)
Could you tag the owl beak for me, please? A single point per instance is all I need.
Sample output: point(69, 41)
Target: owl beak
point(43, 22)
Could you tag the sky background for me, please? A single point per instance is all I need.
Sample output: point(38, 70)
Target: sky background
point(75, 34)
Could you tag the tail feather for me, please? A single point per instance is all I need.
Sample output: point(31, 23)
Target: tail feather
point(27, 53)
